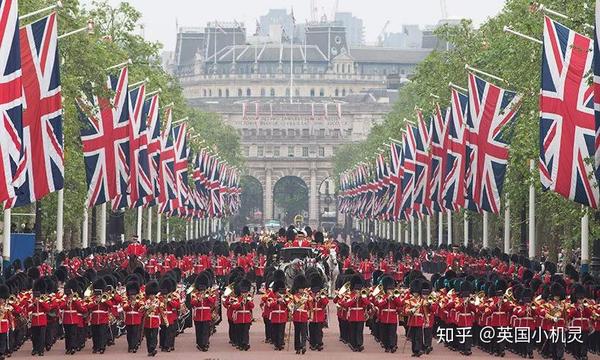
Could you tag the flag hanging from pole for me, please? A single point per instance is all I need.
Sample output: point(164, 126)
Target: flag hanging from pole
point(42, 161)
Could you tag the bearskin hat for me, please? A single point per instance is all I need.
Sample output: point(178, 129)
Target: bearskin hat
point(466, 288)
point(578, 291)
point(278, 286)
point(152, 288)
point(99, 284)
point(4, 292)
point(132, 288)
point(281, 232)
point(300, 282)
point(377, 274)
point(557, 291)
point(245, 285)
point(415, 286)
point(387, 282)
point(34, 273)
point(39, 286)
point(319, 238)
point(526, 295)
point(356, 282)
point(425, 288)
point(550, 267)
point(202, 281)
point(316, 282)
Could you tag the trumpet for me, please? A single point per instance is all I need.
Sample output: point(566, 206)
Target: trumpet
point(364, 293)
point(396, 293)
point(322, 294)
point(139, 297)
point(344, 289)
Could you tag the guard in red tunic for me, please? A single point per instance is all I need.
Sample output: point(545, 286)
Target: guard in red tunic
point(301, 307)
point(580, 314)
point(259, 271)
point(135, 248)
point(154, 317)
point(276, 305)
point(525, 319)
point(172, 303)
point(38, 309)
point(500, 316)
point(203, 301)
point(356, 304)
point(242, 304)
point(133, 316)
point(318, 315)
point(72, 307)
point(100, 311)
point(6, 320)
point(465, 311)
point(415, 308)
point(366, 267)
point(388, 305)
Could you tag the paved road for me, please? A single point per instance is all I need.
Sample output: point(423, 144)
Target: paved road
point(221, 350)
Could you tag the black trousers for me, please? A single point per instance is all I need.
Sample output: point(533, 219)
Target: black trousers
point(38, 338)
point(388, 335)
point(415, 333)
point(344, 331)
point(4, 343)
point(163, 337)
point(151, 339)
point(133, 336)
point(231, 332)
point(300, 335)
point(243, 334)
point(82, 336)
point(428, 337)
point(278, 334)
point(267, 323)
point(580, 349)
point(315, 334)
point(202, 333)
point(355, 333)
point(70, 336)
point(51, 331)
point(99, 336)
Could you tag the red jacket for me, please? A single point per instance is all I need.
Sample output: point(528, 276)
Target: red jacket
point(366, 269)
point(202, 307)
point(100, 311)
point(242, 310)
point(388, 308)
point(260, 269)
point(499, 313)
point(277, 309)
point(319, 308)
point(133, 312)
point(416, 318)
point(172, 309)
point(222, 267)
point(38, 310)
point(154, 318)
point(301, 312)
point(525, 317)
point(70, 311)
point(355, 306)
point(464, 312)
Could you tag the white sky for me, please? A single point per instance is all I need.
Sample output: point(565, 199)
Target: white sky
point(159, 17)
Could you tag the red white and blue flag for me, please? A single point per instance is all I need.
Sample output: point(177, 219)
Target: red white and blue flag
point(597, 88)
point(453, 191)
point(140, 179)
point(438, 134)
point(408, 164)
point(166, 175)
point(105, 140)
point(567, 125)
point(152, 114)
point(11, 97)
point(396, 173)
point(180, 166)
point(422, 202)
point(492, 111)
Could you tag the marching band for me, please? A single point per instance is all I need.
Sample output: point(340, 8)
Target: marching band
point(153, 293)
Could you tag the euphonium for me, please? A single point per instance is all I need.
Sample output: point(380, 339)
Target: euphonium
point(344, 289)
point(105, 297)
point(508, 295)
point(139, 297)
point(378, 289)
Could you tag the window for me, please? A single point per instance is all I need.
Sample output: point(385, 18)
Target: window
point(262, 92)
point(312, 92)
point(321, 132)
point(248, 92)
point(209, 92)
point(290, 151)
point(240, 93)
point(343, 68)
point(276, 151)
point(321, 151)
point(343, 92)
point(305, 151)
point(226, 92)
point(337, 92)
point(220, 93)
point(287, 92)
point(260, 151)
point(304, 132)
point(322, 92)
point(204, 92)
point(297, 92)
point(247, 151)
point(272, 92)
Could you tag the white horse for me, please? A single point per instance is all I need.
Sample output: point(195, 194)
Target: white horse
point(334, 271)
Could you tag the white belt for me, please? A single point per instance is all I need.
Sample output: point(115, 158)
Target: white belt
point(154, 316)
point(132, 313)
point(100, 311)
point(202, 308)
point(356, 308)
point(69, 311)
point(168, 312)
point(242, 311)
point(498, 312)
point(389, 310)
point(278, 311)
point(301, 310)
point(315, 309)
point(38, 314)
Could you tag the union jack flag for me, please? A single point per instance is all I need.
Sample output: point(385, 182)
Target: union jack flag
point(105, 140)
point(453, 191)
point(396, 173)
point(201, 179)
point(567, 126)
point(166, 175)
point(422, 202)
point(140, 180)
point(491, 109)
point(11, 98)
point(152, 114)
point(597, 88)
point(216, 200)
point(180, 165)
point(408, 164)
point(438, 134)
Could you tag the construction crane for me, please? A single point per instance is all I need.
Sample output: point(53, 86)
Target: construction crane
point(444, 8)
point(381, 36)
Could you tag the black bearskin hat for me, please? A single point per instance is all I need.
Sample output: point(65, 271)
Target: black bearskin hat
point(356, 282)
point(132, 288)
point(202, 281)
point(4, 292)
point(278, 286)
point(245, 285)
point(526, 295)
point(415, 286)
point(387, 282)
point(99, 284)
point(300, 282)
point(152, 288)
point(557, 291)
point(466, 289)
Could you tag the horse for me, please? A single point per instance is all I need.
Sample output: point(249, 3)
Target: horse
point(334, 271)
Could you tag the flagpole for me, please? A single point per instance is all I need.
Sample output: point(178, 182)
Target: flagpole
point(407, 235)
point(420, 232)
point(440, 228)
point(168, 230)
point(412, 231)
point(507, 226)
point(485, 230)
point(158, 225)
point(465, 229)
point(449, 227)
point(34, 13)
point(585, 240)
point(527, 37)
point(139, 222)
point(85, 227)
point(292, 60)
point(60, 220)
point(102, 234)
point(428, 231)
point(531, 214)
point(6, 233)
point(149, 224)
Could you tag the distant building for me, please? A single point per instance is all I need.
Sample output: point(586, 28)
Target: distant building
point(411, 37)
point(354, 28)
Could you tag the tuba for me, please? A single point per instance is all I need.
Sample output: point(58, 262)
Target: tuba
point(344, 289)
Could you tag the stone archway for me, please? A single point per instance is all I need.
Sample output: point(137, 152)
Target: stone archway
point(251, 208)
point(290, 198)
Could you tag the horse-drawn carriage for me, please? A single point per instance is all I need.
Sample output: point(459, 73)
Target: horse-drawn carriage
point(305, 260)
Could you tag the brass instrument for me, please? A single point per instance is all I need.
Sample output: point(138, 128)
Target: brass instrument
point(364, 293)
point(139, 297)
point(396, 293)
point(344, 289)
point(322, 294)
point(228, 290)
point(190, 289)
point(378, 290)
point(89, 291)
point(508, 295)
